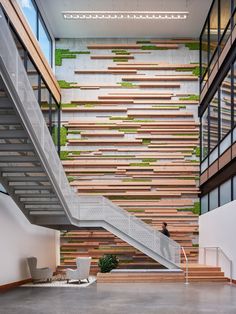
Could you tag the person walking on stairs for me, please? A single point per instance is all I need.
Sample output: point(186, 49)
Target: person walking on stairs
point(164, 243)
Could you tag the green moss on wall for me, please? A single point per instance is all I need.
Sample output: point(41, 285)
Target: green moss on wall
point(65, 84)
point(140, 164)
point(63, 135)
point(120, 52)
point(120, 60)
point(143, 42)
point(66, 54)
point(153, 47)
point(193, 46)
point(146, 141)
point(127, 84)
point(195, 209)
point(195, 71)
point(190, 97)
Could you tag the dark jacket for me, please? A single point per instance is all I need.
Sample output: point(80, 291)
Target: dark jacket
point(165, 232)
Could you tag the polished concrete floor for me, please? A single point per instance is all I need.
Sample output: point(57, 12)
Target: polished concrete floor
point(122, 299)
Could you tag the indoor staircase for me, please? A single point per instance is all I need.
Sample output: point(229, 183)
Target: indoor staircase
point(32, 173)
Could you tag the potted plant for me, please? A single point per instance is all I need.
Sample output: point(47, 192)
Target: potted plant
point(108, 262)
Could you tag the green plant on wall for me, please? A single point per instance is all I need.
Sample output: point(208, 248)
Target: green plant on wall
point(120, 60)
point(195, 71)
point(65, 84)
point(108, 262)
point(120, 52)
point(193, 46)
point(195, 209)
point(66, 54)
point(63, 135)
point(190, 97)
point(127, 85)
point(153, 47)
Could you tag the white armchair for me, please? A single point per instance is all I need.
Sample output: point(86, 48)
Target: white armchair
point(82, 271)
point(39, 274)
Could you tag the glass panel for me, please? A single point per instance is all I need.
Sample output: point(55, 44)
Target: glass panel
point(30, 13)
point(204, 50)
point(204, 126)
point(33, 77)
point(204, 204)
point(225, 13)
point(45, 41)
point(225, 105)
point(213, 31)
point(234, 188)
point(214, 119)
point(45, 103)
point(55, 128)
point(225, 192)
point(2, 190)
point(213, 199)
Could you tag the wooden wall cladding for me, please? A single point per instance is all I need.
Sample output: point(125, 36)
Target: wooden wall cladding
point(134, 139)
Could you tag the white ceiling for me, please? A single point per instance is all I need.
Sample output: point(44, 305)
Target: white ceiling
point(61, 28)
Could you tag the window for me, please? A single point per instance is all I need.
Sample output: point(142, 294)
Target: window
point(214, 118)
point(38, 27)
point(205, 134)
point(234, 187)
point(225, 192)
point(204, 204)
point(29, 9)
point(213, 199)
point(213, 29)
point(234, 92)
point(44, 41)
point(225, 105)
point(204, 51)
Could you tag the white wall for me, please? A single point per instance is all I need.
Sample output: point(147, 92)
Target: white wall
point(20, 239)
point(218, 228)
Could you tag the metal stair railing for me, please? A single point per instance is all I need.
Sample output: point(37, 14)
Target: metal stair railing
point(94, 210)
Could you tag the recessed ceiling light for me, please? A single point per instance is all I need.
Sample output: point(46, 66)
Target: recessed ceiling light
point(131, 15)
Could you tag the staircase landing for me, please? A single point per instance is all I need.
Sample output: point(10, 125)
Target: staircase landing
point(197, 273)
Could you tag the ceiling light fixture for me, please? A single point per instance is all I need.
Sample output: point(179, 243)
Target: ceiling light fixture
point(125, 15)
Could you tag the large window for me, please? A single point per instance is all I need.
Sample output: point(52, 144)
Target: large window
point(214, 121)
point(38, 27)
point(205, 134)
point(219, 196)
point(215, 33)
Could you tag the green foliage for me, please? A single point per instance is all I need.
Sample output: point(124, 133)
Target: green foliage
point(195, 71)
point(127, 84)
point(197, 151)
point(63, 135)
point(143, 42)
point(190, 97)
point(74, 132)
point(146, 141)
point(70, 179)
point(153, 47)
point(120, 52)
point(120, 60)
point(140, 164)
point(136, 180)
point(149, 160)
point(193, 46)
point(69, 105)
point(195, 209)
point(65, 84)
point(108, 262)
point(64, 155)
point(66, 54)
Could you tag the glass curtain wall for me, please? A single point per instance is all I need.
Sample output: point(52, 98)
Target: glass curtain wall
point(215, 33)
point(37, 26)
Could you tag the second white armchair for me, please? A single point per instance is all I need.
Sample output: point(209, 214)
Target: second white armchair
point(82, 270)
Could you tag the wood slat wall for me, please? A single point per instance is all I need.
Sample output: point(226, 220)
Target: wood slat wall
point(136, 146)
